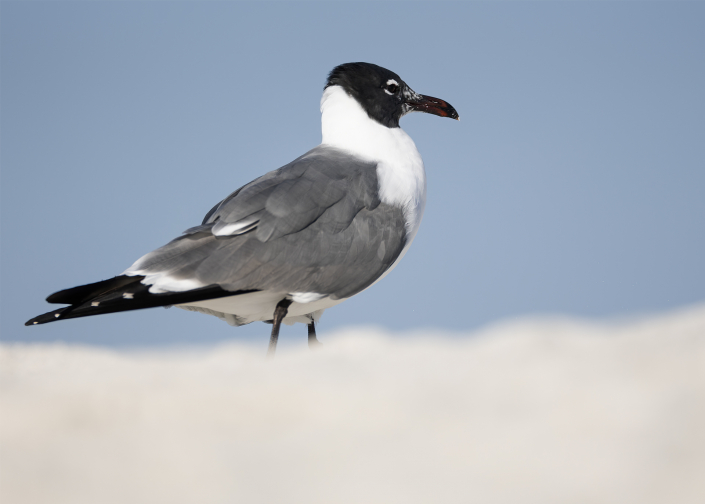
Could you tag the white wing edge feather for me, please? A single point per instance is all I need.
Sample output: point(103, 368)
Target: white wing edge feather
point(234, 228)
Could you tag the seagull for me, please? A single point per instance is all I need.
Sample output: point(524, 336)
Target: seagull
point(300, 239)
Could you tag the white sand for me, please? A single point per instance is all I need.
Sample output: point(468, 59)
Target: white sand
point(543, 411)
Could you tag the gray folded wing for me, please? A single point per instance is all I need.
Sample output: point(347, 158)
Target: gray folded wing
point(314, 225)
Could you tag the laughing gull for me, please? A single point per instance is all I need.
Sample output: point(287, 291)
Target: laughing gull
point(299, 239)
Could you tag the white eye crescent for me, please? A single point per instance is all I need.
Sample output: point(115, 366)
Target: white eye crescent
point(391, 87)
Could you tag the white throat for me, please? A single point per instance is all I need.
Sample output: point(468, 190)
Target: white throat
point(400, 170)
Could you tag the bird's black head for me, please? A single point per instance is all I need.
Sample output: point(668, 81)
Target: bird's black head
point(383, 94)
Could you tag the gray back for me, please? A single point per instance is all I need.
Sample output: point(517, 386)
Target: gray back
point(315, 225)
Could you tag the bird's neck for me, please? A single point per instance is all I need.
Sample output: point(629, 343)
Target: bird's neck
point(346, 125)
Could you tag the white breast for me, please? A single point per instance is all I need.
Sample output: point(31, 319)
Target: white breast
point(402, 178)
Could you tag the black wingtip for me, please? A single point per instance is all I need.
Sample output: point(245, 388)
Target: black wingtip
point(82, 293)
point(129, 296)
point(46, 317)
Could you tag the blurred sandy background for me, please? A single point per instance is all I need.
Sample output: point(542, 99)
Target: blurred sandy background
point(527, 411)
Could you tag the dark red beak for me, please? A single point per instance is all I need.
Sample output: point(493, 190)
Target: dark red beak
point(431, 105)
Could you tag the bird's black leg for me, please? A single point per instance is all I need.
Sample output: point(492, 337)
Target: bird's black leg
point(279, 314)
point(312, 341)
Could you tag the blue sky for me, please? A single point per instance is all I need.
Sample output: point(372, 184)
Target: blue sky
point(574, 183)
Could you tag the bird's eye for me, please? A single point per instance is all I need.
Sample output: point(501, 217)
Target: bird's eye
point(392, 87)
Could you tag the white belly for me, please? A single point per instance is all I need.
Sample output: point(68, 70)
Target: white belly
point(259, 306)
